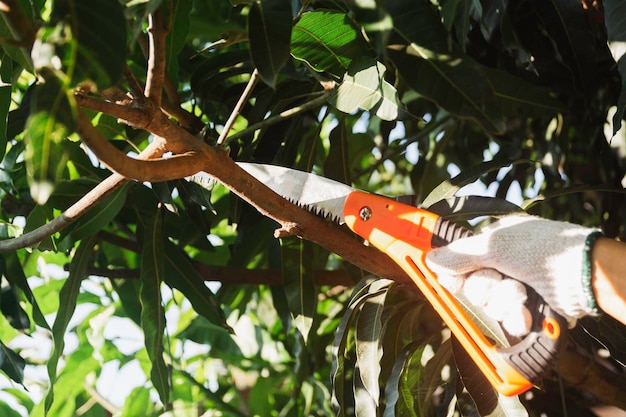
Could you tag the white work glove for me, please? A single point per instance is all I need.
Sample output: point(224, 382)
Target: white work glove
point(552, 257)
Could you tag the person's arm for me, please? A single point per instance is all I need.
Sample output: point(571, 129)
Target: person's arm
point(609, 277)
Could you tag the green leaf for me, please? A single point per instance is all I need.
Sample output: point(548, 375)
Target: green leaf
point(67, 296)
point(99, 217)
point(14, 273)
point(518, 97)
point(96, 49)
point(137, 404)
point(365, 289)
point(16, 53)
point(297, 271)
point(337, 163)
point(369, 333)
point(152, 312)
point(7, 411)
point(180, 274)
point(364, 86)
point(327, 41)
point(177, 35)
point(269, 31)
point(12, 310)
point(448, 188)
point(420, 23)
point(453, 81)
point(472, 206)
point(403, 379)
point(52, 119)
point(615, 20)
point(12, 364)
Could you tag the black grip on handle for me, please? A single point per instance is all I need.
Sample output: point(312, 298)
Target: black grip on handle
point(447, 231)
point(533, 355)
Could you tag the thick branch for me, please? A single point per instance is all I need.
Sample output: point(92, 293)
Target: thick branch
point(586, 374)
point(177, 166)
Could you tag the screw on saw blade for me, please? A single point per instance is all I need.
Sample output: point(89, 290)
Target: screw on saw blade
point(365, 213)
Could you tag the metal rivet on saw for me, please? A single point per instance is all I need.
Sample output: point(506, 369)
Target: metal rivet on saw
point(365, 213)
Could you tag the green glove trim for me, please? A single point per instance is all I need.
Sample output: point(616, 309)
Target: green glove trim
point(587, 272)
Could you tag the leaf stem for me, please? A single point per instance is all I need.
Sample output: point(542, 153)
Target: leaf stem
point(319, 101)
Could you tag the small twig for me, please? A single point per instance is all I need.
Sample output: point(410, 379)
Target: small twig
point(96, 398)
point(282, 116)
point(254, 78)
point(135, 87)
point(155, 77)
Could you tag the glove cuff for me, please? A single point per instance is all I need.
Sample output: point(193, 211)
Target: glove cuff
point(587, 273)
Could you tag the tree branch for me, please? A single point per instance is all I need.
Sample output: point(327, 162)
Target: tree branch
point(155, 170)
point(583, 372)
point(74, 212)
point(157, 33)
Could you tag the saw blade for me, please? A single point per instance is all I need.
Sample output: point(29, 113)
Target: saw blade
point(322, 196)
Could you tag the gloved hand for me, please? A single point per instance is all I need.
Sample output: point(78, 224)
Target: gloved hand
point(552, 257)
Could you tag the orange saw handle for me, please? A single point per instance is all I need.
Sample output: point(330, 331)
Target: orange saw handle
point(406, 234)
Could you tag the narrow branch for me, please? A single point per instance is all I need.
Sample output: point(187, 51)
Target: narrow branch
point(74, 212)
point(65, 219)
point(234, 275)
point(129, 115)
point(309, 105)
point(254, 78)
point(157, 33)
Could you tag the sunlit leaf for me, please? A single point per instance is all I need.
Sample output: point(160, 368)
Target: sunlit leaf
point(369, 333)
point(472, 206)
point(448, 188)
point(269, 29)
point(364, 87)
point(327, 41)
point(366, 288)
point(152, 313)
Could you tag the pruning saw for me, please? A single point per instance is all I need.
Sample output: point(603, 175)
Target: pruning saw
point(406, 234)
